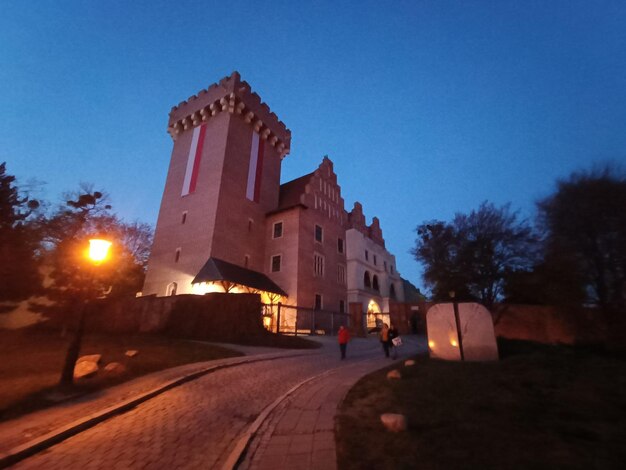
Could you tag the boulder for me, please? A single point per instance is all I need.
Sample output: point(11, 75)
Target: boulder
point(409, 362)
point(394, 374)
point(132, 352)
point(394, 422)
point(114, 368)
point(85, 369)
point(90, 358)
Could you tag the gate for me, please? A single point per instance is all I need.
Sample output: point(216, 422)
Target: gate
point(291, 319)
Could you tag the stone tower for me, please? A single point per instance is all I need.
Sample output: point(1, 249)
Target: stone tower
point(224, 176)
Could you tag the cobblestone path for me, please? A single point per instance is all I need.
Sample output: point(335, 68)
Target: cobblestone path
point(195, 425)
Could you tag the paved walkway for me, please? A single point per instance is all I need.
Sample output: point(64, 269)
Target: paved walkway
point(297, 427)
point(300, 432)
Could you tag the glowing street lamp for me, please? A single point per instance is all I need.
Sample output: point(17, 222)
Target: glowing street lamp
point(98, 250)
point(97, 254)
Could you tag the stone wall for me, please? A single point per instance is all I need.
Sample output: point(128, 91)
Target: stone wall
point(547, 324)
point(544, 324)
point(215, 316)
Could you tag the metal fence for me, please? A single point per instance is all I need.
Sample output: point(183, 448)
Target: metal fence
point(290, 319)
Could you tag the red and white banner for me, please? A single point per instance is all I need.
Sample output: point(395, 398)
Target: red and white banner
point(193, 160)
point(255, 170)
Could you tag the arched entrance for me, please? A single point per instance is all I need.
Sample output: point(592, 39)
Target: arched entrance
point(373, 315)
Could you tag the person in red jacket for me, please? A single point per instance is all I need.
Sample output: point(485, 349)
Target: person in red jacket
point(344, 337)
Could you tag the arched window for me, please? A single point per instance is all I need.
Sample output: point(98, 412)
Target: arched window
point(392, 291)
point(171, 288)
point(375, 283)
point(366, 280)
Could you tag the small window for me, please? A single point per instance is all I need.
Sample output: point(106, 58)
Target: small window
point(246, 261)
point(184, 218)
point(177, 255)
point(319, 234)
point(340, 245)
point(375, 283)
point(385, 264)
point(250, 223)
point(367, 255)
point(278, 230)
point(374, 260)
point(342, 306)
point(366, 280)
point(276, 263)
point(391, 268)
point(318, 265)
point(392, 292)
point(341, 274)
point(318, 302)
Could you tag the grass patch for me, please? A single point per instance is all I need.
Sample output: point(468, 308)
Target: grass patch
point(538, 407)
point(32, 360)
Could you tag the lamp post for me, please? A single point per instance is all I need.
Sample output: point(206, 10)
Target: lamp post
point(97, 254)
point(457, 320)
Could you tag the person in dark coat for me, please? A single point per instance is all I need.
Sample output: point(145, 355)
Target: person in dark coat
point(344, 338)
point(393, 333)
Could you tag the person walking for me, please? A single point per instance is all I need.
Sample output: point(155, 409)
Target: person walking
point(393, 333)
point(344, 338)
point(384, 338)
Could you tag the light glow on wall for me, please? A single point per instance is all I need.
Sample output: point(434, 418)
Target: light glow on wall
point(431, 344)
point(202, 288)
point(206, 288)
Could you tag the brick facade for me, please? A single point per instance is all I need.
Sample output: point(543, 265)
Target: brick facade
point(296, 234)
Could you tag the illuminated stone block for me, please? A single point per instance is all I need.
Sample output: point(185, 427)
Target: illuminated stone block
point(477, 333)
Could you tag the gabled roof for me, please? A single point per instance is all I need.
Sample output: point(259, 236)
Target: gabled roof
point(219, 270)
point(291, 191)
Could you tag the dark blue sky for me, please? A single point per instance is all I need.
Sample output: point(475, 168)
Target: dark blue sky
point(426, 107)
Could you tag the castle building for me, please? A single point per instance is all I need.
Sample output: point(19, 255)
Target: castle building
point(226, 224)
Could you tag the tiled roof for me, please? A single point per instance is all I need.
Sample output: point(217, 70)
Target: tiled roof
point(218, 270)
point(290, 192)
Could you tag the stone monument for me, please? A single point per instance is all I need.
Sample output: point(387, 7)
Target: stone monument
point(474, 340)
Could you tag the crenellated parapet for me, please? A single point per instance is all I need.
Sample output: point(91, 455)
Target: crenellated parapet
point(231, 95)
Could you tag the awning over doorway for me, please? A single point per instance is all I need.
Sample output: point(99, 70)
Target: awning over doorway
point(217, 270)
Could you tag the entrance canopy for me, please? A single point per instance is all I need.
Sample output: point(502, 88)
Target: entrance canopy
point(217, 270)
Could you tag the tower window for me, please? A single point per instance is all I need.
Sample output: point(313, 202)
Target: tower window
point(342, 306)
point(340, 247)
point(367, 255)
point(250, 222)
point(184, 218)
point(318, 265)
point(319, 234)
point(177, 255)
point(276, 263)
point(374, 260)
point(246, 261)
point(278, 230)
